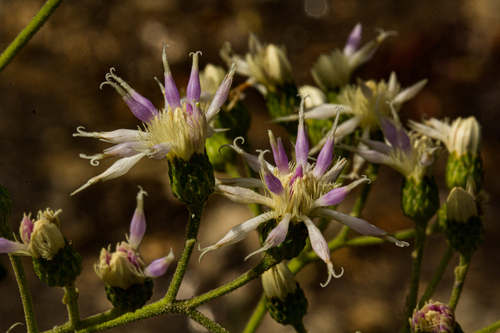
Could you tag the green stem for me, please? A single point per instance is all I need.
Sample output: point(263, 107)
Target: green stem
point(460, 274)
point(438, 275)
point(28, 32)
point(257, 315)
point(266, 263)
point(193, 226)
point(88, 322)
point(371, 173)
point(22, 282)
point(490, 329)
point(299, 327)
point(71, 300)
point(417, 254)
point(204, 321)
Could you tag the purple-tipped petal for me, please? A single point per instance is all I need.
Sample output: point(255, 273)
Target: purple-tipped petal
point(138, 224)
point(302, 145)
point(333, 197)
point(117, 136)
point(7, 246)
point(299, 173)
point(171, 92)
point(333, 174)
point(377, 145)
point(276, 236)
point(194, 87)
point(279, 154)
point(141, 107)
point(361, 226)
point(221, 94)
point(26, 229)
point(273, 183)
point(325, 158)
point(353, 40)
point(159, 266)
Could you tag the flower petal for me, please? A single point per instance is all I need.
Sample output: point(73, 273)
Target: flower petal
point(276, 236)
point(273, 183)
point(242, 195)
point(159, 266)
point(279, 154)
point(194, 87)
point(361, 226)
point(238, 233)
point(118, 136)
point(119, 168)
point(7, 246)
point(353, 40)
point(171, 92)
point(302, 144)
point(221, 95)
point(138, 224)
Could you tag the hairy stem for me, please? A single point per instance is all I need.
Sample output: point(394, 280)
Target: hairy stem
point(193, 226)
point(71, 300)
point(417, 254)
point(28, 32)
point(460, 274)
point(22, 282)
point(438, 275)
point(257, 315)
point(204, 321)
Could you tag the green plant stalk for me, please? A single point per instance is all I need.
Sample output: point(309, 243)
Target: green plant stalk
point(438, 275)
point(114, 318)
point(22, 282)
point(204, 321)
point(299, 327)
point(28, 32)
point(257, 315)
point(192, 227)
point(490, 329)
point(460, 275)
point(71, 300)
point(417, 254)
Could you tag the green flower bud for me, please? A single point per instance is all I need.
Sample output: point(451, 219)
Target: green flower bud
point(461, 167)
point(293, 244)
point(285, 300)
point(5, 209)
point(464, 228)
point(131, 299)
point(191, 181)
point(62, 269)
point(420, 201)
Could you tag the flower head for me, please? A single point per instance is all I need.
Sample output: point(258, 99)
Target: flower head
point(41, 238)
point(334, 70)
point(410, 155)
point(178, 130)
point(433, 317)
point(126, 267)
point(296, 192)
point(462, 136)
point(266, 65)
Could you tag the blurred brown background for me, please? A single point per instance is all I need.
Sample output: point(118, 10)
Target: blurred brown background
point(52, 87)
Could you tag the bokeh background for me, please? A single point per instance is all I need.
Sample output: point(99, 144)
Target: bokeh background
point(52, 87)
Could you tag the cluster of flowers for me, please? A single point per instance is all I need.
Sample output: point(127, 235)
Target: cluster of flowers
point(296, 190)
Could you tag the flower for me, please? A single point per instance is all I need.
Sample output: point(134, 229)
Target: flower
point(178, 130)
point(410, 155)
point(433, 317)
point(333, 71)
point(295, 192)
point(126, 267)
point(41, 238)
point(362, 101)
point(462, 136)
point(266, 65)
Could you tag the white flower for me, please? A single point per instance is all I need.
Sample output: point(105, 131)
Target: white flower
point(266, 65)
point(295, 192)
point(178, 130)
point(461, 137)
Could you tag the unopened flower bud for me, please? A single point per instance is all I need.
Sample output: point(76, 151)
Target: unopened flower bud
point(434, 317)
point(420, 199)
point(464, 228)
point(56, 262)
point(285, 300)
point(129, 283)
